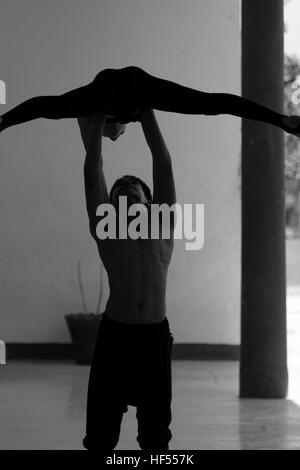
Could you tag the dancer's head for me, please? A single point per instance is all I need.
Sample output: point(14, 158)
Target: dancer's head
point(114, 130)
point(134, 188)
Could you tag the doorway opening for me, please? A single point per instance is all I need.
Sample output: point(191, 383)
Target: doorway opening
point(292, 185)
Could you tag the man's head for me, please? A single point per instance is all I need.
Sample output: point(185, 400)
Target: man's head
point(113, 130)
point(134, 188)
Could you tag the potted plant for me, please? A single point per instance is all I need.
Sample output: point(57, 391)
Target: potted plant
point(83, 326)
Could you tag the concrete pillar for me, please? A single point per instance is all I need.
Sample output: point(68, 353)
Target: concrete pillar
point(263, 368)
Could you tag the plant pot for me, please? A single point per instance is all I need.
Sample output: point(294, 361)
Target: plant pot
point(83, 330)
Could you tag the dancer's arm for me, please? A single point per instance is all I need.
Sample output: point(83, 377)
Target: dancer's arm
point(95, 185)
point(163, 179)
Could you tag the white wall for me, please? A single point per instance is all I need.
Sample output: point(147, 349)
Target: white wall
point(51, 47)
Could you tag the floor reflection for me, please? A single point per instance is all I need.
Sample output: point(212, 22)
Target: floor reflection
point(293, 328)
point(269, 425)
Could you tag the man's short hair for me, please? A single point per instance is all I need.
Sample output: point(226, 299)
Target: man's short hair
point(133, 179)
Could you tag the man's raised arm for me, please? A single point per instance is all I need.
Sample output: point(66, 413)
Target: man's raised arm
point(94, 180)
point(163, 179)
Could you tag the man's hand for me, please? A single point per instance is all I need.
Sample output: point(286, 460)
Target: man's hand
point(291, 125)
point(99, 117)
point(89, 126)
point(84, 123)
point(146, 114)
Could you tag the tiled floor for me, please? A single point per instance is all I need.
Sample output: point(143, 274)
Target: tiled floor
point(42, 406)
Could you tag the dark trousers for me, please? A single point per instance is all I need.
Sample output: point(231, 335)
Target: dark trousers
point(131, 366)
point(118, 90)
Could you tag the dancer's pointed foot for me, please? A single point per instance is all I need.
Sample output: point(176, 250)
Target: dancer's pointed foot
point(292, 125)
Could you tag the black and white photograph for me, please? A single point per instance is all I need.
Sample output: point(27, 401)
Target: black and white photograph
point(149, 227)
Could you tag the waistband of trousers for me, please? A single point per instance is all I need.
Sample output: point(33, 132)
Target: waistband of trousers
point(134, 326)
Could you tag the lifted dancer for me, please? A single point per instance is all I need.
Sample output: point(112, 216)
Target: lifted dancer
point(123, 93)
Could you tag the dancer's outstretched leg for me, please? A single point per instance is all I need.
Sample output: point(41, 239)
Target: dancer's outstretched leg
point(79, 102)
point(164, 95)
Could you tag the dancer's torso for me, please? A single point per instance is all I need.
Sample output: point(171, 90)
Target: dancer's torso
point(137, 274)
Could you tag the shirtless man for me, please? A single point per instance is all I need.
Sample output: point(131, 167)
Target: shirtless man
point(132, 358)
